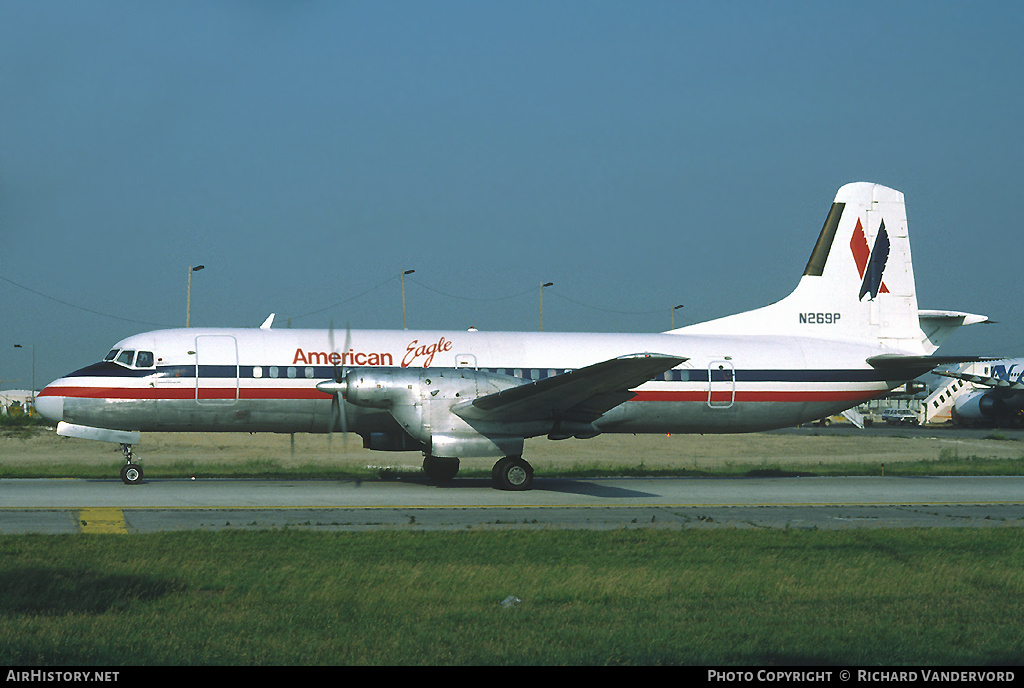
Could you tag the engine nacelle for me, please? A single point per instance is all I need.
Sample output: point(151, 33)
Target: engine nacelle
point(978, 406)
point(462, 445)
point(420, 400)
point(386, 388)
point(377, 387)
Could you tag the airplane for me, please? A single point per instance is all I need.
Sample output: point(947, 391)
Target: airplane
point(1001, 399)
point(850, 331)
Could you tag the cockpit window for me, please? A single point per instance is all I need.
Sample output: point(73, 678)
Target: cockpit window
point(127, 357)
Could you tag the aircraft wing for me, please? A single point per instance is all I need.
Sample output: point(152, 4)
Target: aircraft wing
point(981, 380)
point(581, 395)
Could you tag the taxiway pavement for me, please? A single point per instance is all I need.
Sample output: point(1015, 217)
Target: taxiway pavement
point(72, 506)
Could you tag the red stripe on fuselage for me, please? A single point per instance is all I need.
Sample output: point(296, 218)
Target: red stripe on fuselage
point(155, 393)
point(791, 396)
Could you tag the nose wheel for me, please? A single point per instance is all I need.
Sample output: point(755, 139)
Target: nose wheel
point(131, 473)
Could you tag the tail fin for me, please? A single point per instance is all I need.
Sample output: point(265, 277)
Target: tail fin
point(858, 283)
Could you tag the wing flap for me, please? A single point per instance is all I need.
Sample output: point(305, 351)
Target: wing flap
point(581, 395)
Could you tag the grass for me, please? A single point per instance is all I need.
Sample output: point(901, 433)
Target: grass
point(634, 597)
point(21, 425)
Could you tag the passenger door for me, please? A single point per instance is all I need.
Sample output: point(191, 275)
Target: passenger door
point(216, 369)
point(721, 384)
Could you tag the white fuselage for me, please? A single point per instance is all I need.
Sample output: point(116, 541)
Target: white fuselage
point(263, 380)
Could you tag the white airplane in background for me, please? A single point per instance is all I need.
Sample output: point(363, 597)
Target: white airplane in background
point(850, 331)
point(998, 396)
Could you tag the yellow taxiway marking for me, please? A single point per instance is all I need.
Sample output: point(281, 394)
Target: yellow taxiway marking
point(102, 520)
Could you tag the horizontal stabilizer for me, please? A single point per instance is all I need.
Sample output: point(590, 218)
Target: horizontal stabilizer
point(909, 367)
point(581, 395)
point(937, 326)
point(958, 318)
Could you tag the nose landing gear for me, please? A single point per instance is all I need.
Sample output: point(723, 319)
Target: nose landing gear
point(131, 473)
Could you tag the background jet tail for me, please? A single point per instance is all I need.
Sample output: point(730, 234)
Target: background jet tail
point(858, 283)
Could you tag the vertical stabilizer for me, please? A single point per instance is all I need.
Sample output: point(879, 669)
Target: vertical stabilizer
point(858, 283)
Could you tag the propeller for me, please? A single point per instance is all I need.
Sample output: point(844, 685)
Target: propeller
point(337, 387)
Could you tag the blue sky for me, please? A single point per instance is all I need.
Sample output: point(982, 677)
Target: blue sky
point(639, 155)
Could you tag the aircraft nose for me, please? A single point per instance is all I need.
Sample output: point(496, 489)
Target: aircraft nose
point(50, 406)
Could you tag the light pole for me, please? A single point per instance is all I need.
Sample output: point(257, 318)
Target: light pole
point(674, 309)
point(546, 284)
point(188, 303)
point(407, 272)
point(33, 392)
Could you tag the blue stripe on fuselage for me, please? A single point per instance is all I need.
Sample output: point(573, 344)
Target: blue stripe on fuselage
point(109, 369)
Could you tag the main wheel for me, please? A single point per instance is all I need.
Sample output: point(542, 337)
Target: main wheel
point(512, 473)
point(131, 474)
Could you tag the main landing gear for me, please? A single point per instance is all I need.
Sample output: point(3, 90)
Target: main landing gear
point(510, 473)
point(131, 473)
point(440, 469)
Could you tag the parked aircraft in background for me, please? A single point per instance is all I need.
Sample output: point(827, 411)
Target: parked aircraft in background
point(850, 331)
point(998, 394)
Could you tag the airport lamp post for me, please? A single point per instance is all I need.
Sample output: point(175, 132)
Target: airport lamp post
point(407, 272)
point(546, 284)
point(674, 309)
point(188, 301)
point(33, 392)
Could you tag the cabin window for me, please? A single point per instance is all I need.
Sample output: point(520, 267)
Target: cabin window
point(291, 371)
point(257, 371)
point(309, 372)
point(273, 371)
